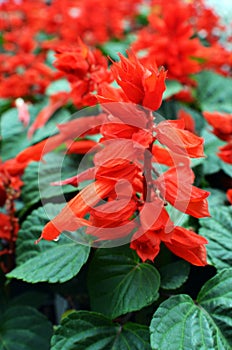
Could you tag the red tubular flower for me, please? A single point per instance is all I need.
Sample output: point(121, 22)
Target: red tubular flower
point(188, 120)
point(71, 216)
point(37, 151)
point(147, 246)
point(55, 102)
point(188, 246)
point(85, 69)
point(176, 187)
point(229, 195)
point(182, 242)
point(225, 153)
point(81, 146)
point(143, 86)
point(178, 140)
point(6, 228)
point(222, 124)
point(111, 221)
point(154, 216)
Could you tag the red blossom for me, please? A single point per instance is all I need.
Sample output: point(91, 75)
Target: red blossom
point(143, 86)
point(178, 140)
point(182, 242)
point(221, 123)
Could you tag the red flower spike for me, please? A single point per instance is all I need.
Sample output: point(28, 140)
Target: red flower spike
point(143, 86)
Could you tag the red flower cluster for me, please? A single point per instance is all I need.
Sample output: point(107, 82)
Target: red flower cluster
point(128, 196)
point(222, 128)
point(85, 69)
point(9, 190)
point(23, 64)
point(171, 38)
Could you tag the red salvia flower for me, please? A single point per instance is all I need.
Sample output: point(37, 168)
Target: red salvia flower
point(124, 173)
point(143, 86)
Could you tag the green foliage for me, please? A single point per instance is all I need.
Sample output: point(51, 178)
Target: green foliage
point(218, 231)
point(61, 85)
point(89, 330)
point(174, 274)
point(39, 176)
point(24, 328)
point(47, 261)
point(180, 324)
point(120, 283)
point(172, 88)
point(14, 133)
point(214, 92)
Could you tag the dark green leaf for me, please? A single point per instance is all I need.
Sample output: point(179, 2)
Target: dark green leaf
point(13, 134)
point(212, 163)
point(39, 176)
point(214, 92)
point(216, 297)
point(47, 261)
point(180, 324)
point(50, 128)
point(112, 48)
point(119, 283)
point(172, 88)
point(24, 328)
point(91, 331)
point(61, 85)
point(218, 230)
point(174, 275)
point(216, 198)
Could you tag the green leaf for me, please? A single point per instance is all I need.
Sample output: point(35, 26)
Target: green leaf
point(174, 274)
point(212, 163)
point(172, 88)
point(13, 135)
point(204, 325)
point(50, 128)
point(13, 132)
point(119, 283)
point(61, 85)
point(179, 324)
point(47, 261)
point(226, 167)
point(24, 328)
point(218, 231)
point(38, 177)
point(214, 92)
point(112, 48)
point(216, 297)
point(85, 330)
point(217, 198)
